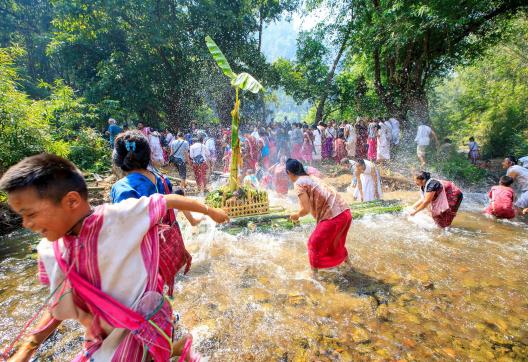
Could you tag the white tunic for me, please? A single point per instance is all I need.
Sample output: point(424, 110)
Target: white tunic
point(368, 184)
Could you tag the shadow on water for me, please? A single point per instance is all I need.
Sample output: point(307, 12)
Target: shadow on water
point(352, 281)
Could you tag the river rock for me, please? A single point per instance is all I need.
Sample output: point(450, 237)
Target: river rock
point(360, 335)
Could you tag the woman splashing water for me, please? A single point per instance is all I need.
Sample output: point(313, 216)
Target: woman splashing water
point(442, 198)
point(326, 245)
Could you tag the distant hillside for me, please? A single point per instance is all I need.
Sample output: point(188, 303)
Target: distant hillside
point(279, 40)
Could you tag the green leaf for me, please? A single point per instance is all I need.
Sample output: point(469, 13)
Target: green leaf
point(246, 81)
point(220, 58)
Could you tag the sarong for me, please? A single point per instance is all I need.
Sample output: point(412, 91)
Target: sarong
point(326, 245)
point(328, 148)
point(454, 199)
point(372, 148)
point(200, 172)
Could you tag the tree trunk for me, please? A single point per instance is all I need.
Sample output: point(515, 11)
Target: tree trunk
point(261, 22)
point(330, 75)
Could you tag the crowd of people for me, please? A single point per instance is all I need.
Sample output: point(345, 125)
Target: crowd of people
point(88, 254)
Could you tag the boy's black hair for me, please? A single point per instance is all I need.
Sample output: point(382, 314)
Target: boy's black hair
point(506, 181)
point(51, 176)
point(132, 151)
point(471, 139)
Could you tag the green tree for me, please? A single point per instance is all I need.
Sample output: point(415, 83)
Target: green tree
point(407, 43)
point(489, 98)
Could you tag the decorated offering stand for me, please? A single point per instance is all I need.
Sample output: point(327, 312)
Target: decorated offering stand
point(237, 201)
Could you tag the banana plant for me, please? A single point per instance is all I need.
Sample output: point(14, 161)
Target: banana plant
point(241, 81)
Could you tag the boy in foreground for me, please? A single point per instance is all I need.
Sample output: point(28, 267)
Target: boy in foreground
point(88, 255)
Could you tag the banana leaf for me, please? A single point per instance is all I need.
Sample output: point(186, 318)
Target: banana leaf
point(220, 58)
point(246, 81)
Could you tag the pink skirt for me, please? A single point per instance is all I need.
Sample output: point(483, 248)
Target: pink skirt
point(372, 148)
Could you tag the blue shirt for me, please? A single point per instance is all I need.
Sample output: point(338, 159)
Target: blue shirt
point(136, 185)
point(113, 130)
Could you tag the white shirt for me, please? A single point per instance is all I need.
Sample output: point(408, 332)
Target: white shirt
point(395, 130)
point(318, 135)
point(423, 135)
point(211, 145)
point(198, 149)
point(522, 176)
point(524, 161)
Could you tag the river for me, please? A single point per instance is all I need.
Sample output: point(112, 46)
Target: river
point(414, 293)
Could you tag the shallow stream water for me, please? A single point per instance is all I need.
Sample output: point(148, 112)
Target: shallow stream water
point(414, 293)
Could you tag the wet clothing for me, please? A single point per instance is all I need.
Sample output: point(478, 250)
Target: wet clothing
point(521, 183)
point(326, 245)
point(446, 201)
point(325, 202)
point(116, 242)
point(501, 202)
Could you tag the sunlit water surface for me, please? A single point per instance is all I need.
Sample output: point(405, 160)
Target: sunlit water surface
point(415, 293)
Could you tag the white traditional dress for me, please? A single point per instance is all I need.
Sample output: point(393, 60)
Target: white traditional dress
point(384, 141)
point(368, 183)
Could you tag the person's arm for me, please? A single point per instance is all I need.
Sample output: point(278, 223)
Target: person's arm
point(433, 133)
point(512, 174)
point(423, 203)
point(46, 326)
point(185, 204)
point(191, 218)
point(375, 177)
point(304, 205)
point(359, 185)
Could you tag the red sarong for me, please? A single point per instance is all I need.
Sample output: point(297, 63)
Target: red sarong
point(200, 171)
point(326, 245)
point(454, 199)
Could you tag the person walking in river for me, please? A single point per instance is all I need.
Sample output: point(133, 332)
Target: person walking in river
point(88, 255)
point(519, 175)
point(501, 199)
point(441, 197)
point(326, 245)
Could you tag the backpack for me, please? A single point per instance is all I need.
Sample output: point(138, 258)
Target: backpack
point(199, 159)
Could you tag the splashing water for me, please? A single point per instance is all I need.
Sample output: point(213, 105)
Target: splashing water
point(415, 292)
